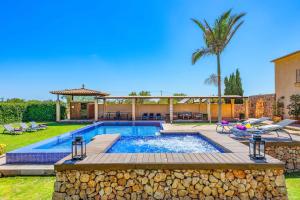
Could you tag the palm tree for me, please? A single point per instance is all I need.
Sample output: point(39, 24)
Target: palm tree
point(212, 80)
point(216, 39)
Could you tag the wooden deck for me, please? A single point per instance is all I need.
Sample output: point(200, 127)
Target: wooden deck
point(101, 143)
point(168, 161)
point(235, 157)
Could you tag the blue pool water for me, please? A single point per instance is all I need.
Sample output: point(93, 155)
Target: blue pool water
point(64, 143)
point(164, 144)
point(137, 137)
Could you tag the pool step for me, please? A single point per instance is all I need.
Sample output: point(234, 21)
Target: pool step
point(24, 170)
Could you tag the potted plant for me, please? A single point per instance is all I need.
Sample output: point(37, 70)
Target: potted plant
point(242, 116)
point(278, 109)
point(294, 106)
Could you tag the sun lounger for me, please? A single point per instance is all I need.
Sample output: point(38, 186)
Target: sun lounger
point(11, 130)
point(151, 116)
point(225, 128)
point(145, 116)
point(118, 116)
point(34, 125)
point(158, 116)
point(25, 127)
point(265, 129)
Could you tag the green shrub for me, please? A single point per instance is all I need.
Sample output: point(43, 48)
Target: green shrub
point(42, 112)
point(294, 106)
point(11, 112)
point(36, 111)
point(2, 148)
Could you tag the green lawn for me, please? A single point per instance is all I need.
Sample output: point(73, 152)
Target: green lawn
point(40, 188)
point(16, 141)
point(26, 187)
point(293, 186)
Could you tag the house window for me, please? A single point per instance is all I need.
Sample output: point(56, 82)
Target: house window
point(298, 76)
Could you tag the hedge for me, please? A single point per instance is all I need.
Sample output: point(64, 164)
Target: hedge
point(17, 112)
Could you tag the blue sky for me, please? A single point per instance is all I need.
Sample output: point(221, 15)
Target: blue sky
point(120, 46)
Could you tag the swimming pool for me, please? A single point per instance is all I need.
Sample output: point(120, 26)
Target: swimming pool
point(171, 143)
point(136, 137)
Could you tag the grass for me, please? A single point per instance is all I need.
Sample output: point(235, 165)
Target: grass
point(26, 187)
point(40, 188)
point(293, 185)
point(16, 141)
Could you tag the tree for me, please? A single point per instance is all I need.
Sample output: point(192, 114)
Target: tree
point(294, 106)
point(212, 80)
point(15, 100)
point(216, 39)
point(132, 94)
point(144, 93)
point(179, 94)
point(238, 83)
point(233, 84)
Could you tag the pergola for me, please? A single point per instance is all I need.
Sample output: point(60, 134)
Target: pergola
point(134, 99)
point(74, 92)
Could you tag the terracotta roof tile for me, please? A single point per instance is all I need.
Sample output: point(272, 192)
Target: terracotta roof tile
point(79, 92)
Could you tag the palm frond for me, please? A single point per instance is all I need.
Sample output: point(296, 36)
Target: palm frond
point(210, 30)
point(212, 80)
point(233, 32)
point(200, 53)
point(202, 27)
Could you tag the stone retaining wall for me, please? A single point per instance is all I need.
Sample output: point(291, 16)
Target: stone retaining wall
point(289, 153)
point(170, 184)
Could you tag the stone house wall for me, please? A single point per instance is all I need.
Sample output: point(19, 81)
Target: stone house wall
point(261, 105)
point(170, 184)
point(239, 108)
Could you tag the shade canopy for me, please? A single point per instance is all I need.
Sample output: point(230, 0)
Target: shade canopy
point(79, 92)
point(168, 97)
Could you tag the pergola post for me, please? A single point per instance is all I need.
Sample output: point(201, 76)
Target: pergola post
point(232, 107)
point(208, 110)
point(69, 108)
point(57, 109)
point(104, 108)
point(246, 105)
point(96, 109)
point(171, 109)
point(133, 109)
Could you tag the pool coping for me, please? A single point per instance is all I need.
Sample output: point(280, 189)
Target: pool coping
point(235, 157)
point(32, 155)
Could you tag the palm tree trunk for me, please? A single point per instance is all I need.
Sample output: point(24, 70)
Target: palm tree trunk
point(219, 89)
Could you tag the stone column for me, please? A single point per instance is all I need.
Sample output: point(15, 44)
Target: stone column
point(57, 109)
point(246, 104)
point(104, 108)
point(208, 110)
point(171, 109)
point(96, 109)
point(232, 108)
point(133, 109)
point(69, 107)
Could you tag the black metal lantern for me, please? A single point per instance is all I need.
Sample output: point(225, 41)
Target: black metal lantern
point(257, 148)
point(78, 148)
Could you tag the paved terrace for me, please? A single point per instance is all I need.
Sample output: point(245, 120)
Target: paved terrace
point(97, 157)
point(235, 156)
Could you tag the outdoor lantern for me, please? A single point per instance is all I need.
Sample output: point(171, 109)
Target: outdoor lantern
point(257, 148)
point(78, 148)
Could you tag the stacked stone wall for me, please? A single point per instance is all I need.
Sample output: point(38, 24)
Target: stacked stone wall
point(261, 105)
point(170, 184)
point(287, 153)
